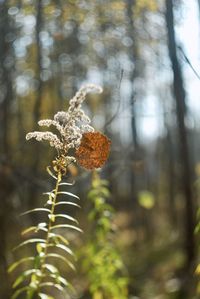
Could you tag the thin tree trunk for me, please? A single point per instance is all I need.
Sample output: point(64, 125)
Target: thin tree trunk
point(140, 219)
point(171, 177)
point(38, 101)
point(37, 106)
point(133, 55)
point(6, 98)
point(179, 95)
point(199, 6)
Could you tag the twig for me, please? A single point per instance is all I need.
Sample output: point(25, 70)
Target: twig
point(188, 61)
point(119, 102)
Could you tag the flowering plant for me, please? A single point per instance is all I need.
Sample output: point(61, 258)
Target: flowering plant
point(91, 150)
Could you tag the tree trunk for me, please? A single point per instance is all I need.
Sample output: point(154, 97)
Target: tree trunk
point(133, 56)
point(199, 6)
point(37, 105)
point(5, 102)
point(179, 95)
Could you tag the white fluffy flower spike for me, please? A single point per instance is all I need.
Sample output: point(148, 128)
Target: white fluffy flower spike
point(70, 125)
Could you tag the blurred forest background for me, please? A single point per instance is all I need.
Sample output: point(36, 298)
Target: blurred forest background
point(139, 52)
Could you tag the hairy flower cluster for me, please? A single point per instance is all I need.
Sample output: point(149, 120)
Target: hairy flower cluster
point(71, 124)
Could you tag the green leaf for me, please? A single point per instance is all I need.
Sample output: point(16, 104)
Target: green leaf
point(67, 203)
point(50, 194)
point(60, 279)
point(45, 296)
point(68, 193)
point(50, 268)
point(66, 217)
point(36, 240)
point(57, 237)
point(62, 258)
point(40, 226)
point(16, 264)
point(51, 284)
point(102, 191)
point(19, 291)
point(146, 199)
point(104, 182)
point(36, 210)
point(34, 229)
point(51, 173)
point(197, 228)
point(66, 184)
point(67, 226)
point(24, 275)
point(63, 247)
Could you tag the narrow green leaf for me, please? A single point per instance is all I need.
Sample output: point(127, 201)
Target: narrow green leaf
point(67, 226)
point(19, 291)
point(40, 226)
point(62, 258)
point(63, 247)
point(66, 217)
point(67, 203)
point(24, 275)
point(36, 210)
point(66, 184)
point(28, 230)
point(57, 237)
point(51, 173)
point(44, 296)
point(16, 264)
point(51, 268)
point(60, 279)
point(68, 193)
point(50, 194)
point(36, 240)
point(51, 284)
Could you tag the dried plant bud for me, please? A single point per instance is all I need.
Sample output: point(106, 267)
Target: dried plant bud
point(93, 150)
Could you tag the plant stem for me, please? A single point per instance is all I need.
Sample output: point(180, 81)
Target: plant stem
point(51, 217)
point(30, 294)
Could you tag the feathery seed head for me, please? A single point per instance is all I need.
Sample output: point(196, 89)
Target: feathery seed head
point(71, 125)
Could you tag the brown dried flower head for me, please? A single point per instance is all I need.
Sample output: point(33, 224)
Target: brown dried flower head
point(93, 151)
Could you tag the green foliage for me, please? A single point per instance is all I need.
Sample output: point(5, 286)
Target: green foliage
point(102, 263)
point(146, 199)
point(41, 273)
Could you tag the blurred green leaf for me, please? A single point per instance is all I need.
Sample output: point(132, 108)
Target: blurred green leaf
point(44, 296)
point(24, 275)
point(146, 199)
point(16, 264)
